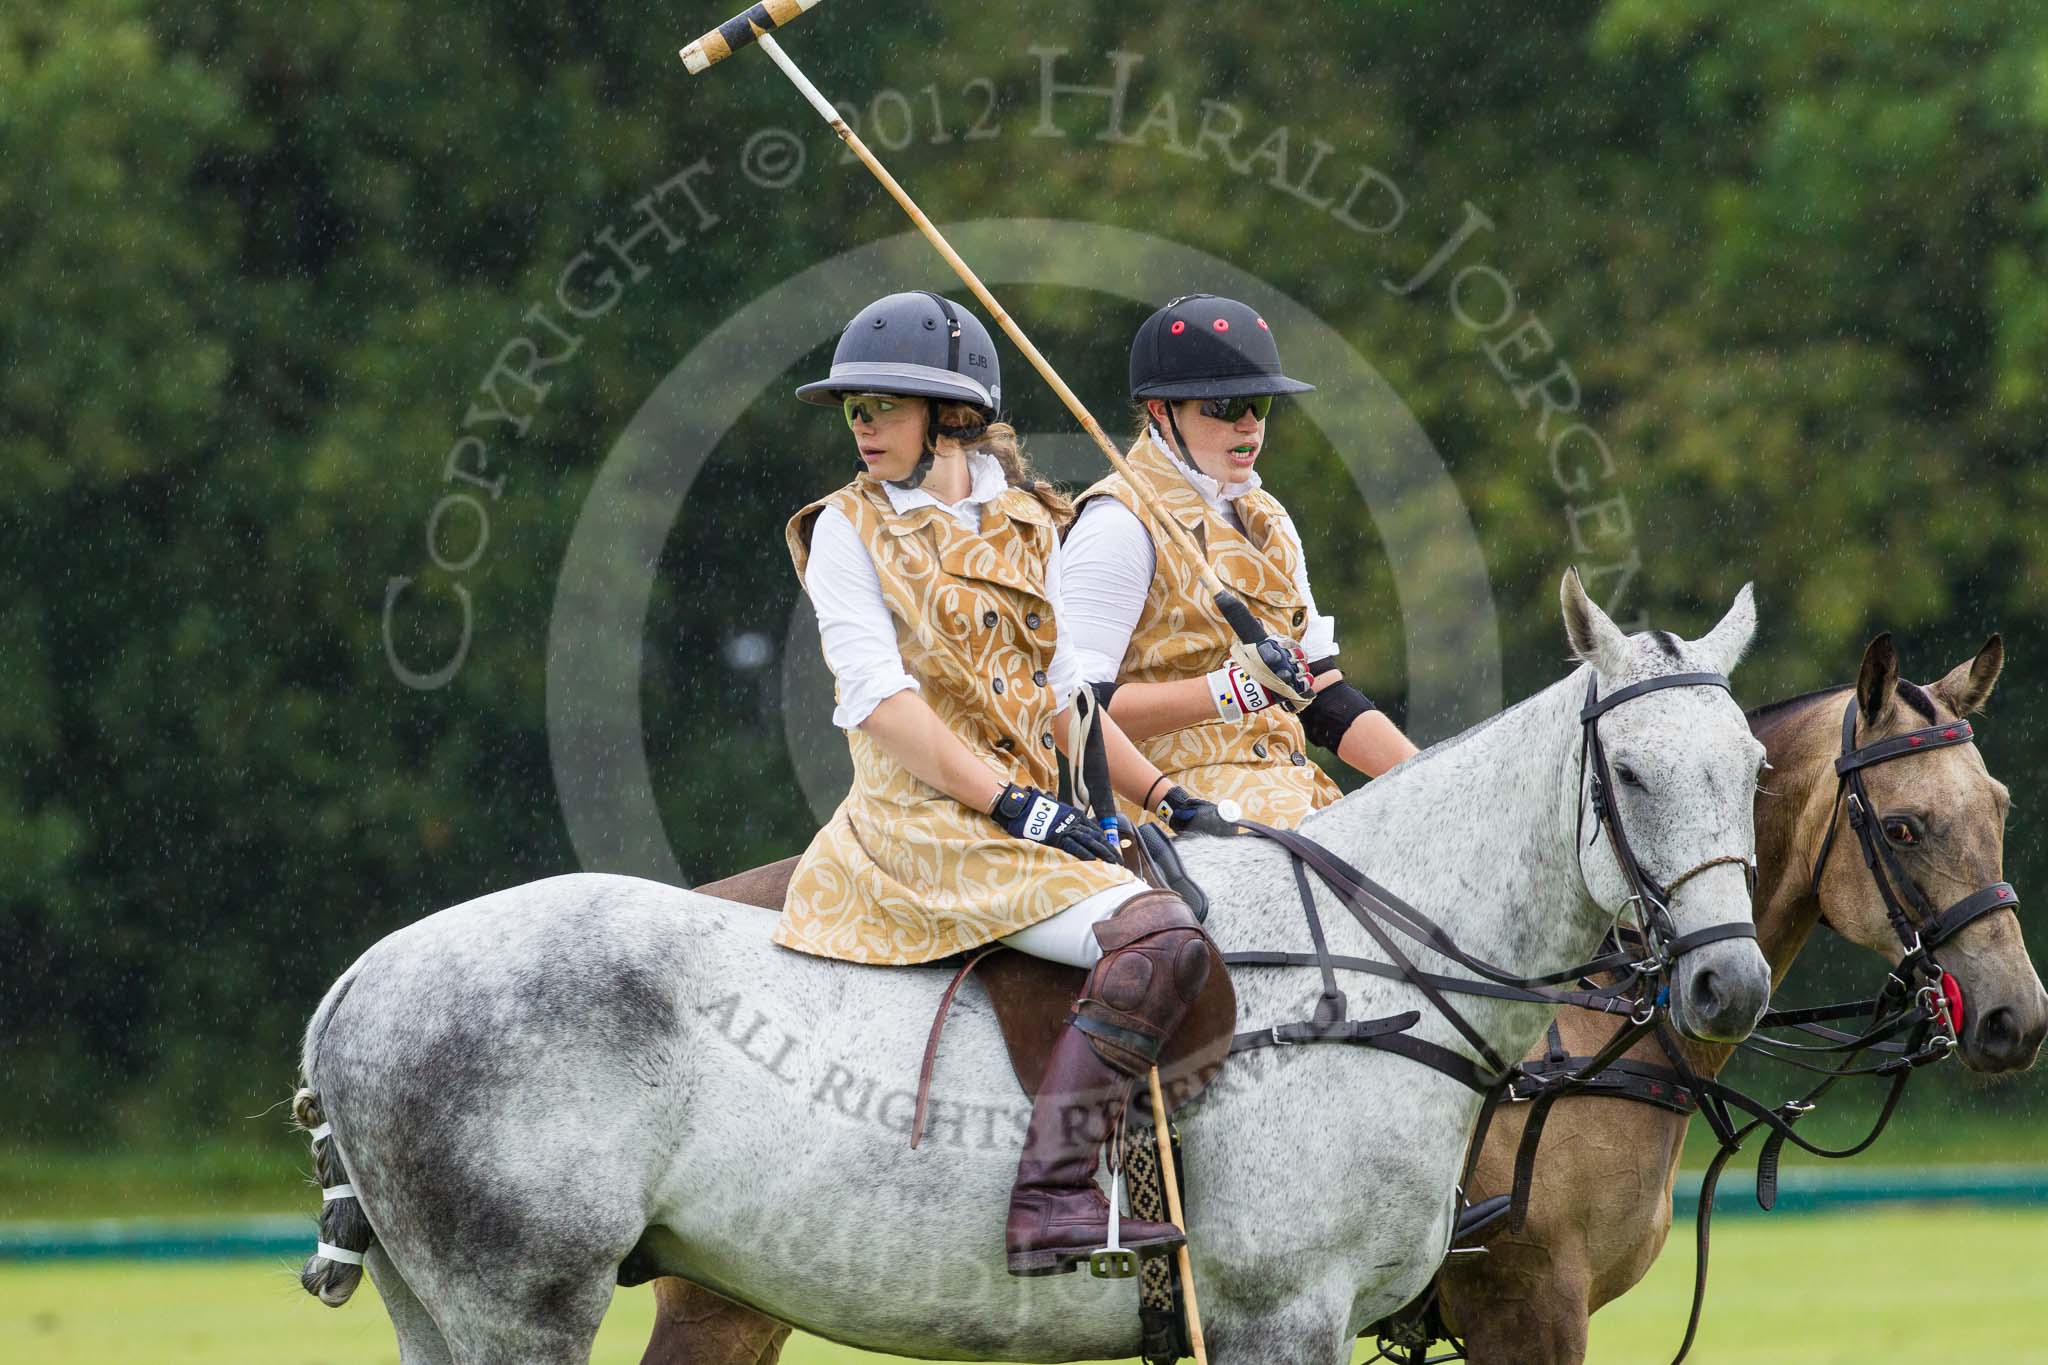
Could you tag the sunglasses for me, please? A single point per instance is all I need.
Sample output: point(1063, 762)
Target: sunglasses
point(869, 407)
point(1230, 409)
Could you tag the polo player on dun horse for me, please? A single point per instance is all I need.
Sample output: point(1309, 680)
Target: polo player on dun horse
point(1144, 634)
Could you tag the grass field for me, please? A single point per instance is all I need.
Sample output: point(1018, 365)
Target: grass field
point(1944, 1283)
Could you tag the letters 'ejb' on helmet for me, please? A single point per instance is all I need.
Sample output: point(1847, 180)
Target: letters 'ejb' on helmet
point(1206, 346)
point(920, 345)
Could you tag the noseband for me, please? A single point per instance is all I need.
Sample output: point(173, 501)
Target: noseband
point(1651, 898)
point(1926, 929)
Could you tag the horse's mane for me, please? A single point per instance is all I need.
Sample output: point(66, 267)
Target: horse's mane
point(1444, 746)
point(1666, 643)
point(1772, 711)
point(1777, 712)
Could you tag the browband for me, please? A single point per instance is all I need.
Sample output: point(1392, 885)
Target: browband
point(1913, 742)
point(1602, 705)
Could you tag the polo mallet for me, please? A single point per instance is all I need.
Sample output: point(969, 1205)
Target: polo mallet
point(752, 26)
point(1092, 788)
point(1169, 1178)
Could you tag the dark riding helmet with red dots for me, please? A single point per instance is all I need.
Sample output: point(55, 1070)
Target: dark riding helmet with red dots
point(1205, 346)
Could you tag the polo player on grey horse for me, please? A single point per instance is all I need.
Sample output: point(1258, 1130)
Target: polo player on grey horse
point(1153, 646)
point(936, 579)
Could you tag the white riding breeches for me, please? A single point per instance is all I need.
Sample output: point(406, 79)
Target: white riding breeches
point(1069, 935)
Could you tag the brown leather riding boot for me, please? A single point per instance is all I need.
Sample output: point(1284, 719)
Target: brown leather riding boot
point(1153, 966)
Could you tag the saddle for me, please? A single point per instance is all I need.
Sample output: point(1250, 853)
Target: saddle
point(1033, 997)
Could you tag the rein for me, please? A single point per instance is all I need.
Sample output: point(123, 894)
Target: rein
point(1913, 1002)
point(1640, 994)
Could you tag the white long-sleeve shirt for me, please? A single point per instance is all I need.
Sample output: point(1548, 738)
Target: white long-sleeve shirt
point(853, 617)
point(1110, 558)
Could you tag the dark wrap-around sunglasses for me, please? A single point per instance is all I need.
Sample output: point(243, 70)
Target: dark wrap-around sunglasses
point(1230, 409)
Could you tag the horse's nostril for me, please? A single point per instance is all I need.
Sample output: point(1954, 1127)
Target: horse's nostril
point(1705, 994)
point(1998, 1035)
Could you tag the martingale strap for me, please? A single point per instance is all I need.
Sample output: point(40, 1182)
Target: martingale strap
point(1638, 996)
point(1917, 1010)
point(1924, 1046)
point(1659, 1086)
point(1907, 1024)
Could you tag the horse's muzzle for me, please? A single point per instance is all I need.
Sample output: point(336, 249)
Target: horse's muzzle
point(1720, 990)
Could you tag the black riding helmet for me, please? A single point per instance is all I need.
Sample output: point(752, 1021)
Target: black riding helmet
point(920, 345)
point(1206, 346)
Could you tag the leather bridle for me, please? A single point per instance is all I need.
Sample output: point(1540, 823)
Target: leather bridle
point(1651, 898)
point(1910, 1023)
point(1643, 968)
point(1925, 928)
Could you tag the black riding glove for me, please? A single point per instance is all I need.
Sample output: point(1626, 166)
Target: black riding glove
point(1182, 812)
point(1029, 813)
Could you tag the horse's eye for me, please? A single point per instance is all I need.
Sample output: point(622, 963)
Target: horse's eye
point(1899, 832)
point(1627, 775)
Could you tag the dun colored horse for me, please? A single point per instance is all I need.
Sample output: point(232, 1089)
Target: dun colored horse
point(1601, 1205)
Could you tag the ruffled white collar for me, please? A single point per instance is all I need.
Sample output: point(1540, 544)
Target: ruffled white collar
point(1213, 491)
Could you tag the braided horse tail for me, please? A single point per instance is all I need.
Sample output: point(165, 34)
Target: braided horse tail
point(335, 1268)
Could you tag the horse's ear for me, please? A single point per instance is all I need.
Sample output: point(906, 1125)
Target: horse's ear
point(1878, 680)
point(1968, 685)
point(1723, 646)
point(1595, 639)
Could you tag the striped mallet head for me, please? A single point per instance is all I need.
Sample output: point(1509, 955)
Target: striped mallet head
point(743, 28)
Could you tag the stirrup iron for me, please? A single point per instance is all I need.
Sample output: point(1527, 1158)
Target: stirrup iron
point(1114, 1261)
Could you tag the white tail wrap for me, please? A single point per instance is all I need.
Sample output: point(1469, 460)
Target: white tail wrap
point(334, 1192)
point(325, 1130)
point(341, 1254)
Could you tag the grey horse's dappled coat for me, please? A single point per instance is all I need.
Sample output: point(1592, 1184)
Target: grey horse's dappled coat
point(593, 1078)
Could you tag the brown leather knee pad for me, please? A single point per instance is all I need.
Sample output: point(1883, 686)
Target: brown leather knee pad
point(1154, 963)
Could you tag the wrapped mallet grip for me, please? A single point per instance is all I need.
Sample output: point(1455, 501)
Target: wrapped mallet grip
point(736, 32)
point(1242, 623)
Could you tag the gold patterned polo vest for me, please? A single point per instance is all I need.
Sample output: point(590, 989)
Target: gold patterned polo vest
point(903, 873)
point(1262, 761)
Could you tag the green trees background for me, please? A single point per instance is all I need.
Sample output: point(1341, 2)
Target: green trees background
point(258, 259)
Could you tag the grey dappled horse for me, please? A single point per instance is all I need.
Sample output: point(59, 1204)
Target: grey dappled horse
point(593, 1078)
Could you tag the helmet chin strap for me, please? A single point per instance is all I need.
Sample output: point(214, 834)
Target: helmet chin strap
point(934, 429)
point(1186, 455)
point(916, 476)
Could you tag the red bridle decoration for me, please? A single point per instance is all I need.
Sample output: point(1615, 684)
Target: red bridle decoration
point(1952, 994)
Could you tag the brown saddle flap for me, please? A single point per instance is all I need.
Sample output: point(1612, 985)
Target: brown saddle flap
point(1033, 998)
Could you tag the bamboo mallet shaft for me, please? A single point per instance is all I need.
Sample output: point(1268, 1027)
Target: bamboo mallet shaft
point(1225, 599)
point(1170, 1178)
